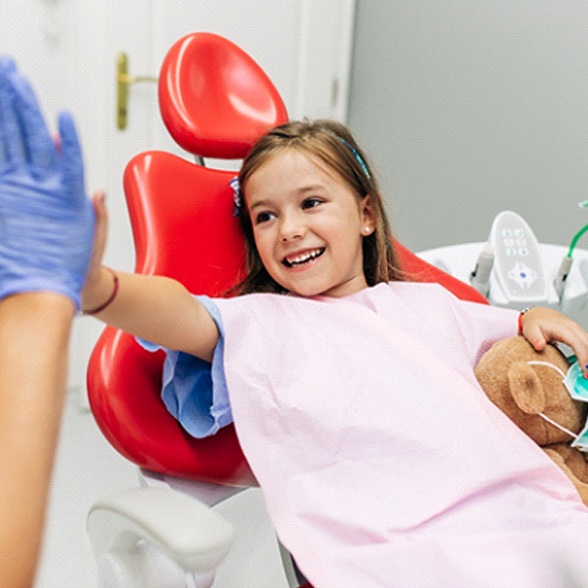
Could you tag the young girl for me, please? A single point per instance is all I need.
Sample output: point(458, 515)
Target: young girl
point(382, 461)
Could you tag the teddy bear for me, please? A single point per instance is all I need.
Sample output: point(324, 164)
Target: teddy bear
point(523, 391)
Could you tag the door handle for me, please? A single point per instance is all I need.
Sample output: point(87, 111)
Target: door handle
point(123, 81)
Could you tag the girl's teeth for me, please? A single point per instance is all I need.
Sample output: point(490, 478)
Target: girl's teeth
point(303, 258)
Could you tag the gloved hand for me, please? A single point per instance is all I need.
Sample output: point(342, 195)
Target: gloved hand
point(46, 219)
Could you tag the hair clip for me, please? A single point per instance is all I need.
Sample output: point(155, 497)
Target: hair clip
point(357, 156)
point(234, 183)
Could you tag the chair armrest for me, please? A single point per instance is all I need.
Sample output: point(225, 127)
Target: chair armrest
point(186, 531)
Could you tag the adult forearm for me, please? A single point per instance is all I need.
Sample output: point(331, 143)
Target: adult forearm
point(34, 335)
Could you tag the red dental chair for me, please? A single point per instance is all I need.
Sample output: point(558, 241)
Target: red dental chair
point(215, 102)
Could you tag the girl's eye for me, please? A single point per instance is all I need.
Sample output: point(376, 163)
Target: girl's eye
point(263, 217)
point(311, 202)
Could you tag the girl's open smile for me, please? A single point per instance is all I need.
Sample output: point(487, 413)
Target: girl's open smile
point(302, 258)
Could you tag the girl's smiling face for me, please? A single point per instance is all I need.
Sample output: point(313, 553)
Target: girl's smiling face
point(308, 225)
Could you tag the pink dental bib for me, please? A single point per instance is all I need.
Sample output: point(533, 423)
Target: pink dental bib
point(382, 461)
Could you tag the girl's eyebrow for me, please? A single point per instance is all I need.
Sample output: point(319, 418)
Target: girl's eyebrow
point(301, 191)
point(258, 204)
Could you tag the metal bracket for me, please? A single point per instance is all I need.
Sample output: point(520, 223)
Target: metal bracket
point(123, 81)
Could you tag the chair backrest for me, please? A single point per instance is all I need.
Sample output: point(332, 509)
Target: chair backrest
point(214, 98)
point(183, 227)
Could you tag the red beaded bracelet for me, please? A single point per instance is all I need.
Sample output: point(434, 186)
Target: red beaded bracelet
point(521, 315)
point(110, 298)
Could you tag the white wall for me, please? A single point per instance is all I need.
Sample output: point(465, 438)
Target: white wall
point(35, 34)
point(470, 107)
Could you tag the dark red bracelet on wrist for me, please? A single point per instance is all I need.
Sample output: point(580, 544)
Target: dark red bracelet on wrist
point(110, 298)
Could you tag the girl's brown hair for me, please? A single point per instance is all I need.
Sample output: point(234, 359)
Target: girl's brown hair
point(333, 144)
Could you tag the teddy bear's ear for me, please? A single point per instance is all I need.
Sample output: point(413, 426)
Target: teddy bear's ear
point(525, 388)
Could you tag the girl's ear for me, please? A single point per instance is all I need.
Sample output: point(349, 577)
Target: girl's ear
point(368, 219)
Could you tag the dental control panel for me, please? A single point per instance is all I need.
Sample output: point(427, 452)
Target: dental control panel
point(513, 269)
point(518, 268)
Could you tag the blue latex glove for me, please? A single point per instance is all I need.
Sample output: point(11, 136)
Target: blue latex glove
point(46, 220)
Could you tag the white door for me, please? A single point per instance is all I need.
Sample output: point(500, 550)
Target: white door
point(303, 45)
point(68, 48)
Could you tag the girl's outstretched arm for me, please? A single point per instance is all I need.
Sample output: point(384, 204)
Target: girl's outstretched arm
point(541, 326)
point(155, 308)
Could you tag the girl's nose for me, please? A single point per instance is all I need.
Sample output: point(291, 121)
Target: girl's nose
point(291, 228)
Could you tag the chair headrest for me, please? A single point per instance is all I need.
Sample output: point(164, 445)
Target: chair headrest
point(215, 100)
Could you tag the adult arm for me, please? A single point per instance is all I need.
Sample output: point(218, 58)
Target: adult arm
point(46, 230)
point(34, 335)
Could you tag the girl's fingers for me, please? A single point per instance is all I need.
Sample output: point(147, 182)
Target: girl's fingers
point(100, 230)
point(99, 201)
point(543, 326)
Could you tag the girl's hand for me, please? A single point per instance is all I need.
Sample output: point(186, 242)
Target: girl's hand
point(545, 325)
point(94, 288)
